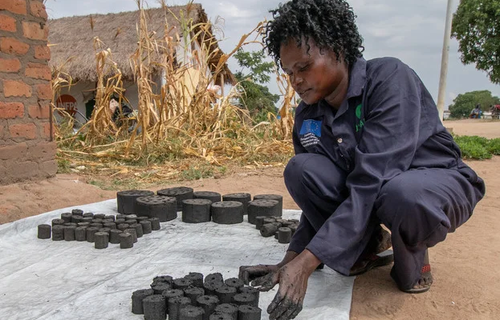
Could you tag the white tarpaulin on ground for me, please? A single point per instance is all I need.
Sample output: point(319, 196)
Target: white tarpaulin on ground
point(45, 279)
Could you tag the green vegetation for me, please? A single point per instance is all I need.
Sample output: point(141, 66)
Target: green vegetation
point(464, 103)
point(254, 94)
point(478, 148)
point(476, 26)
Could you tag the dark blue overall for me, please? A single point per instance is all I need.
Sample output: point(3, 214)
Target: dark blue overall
point(383, 157)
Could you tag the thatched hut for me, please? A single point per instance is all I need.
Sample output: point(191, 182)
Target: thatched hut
point(72, 46)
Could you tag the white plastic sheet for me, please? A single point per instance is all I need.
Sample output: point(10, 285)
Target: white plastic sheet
point(45, 279)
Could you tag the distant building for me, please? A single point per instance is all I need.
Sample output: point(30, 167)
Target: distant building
point(72, 38)
point(446, 114)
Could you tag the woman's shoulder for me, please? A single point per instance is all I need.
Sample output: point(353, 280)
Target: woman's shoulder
point(388, 68)
point(385, 65)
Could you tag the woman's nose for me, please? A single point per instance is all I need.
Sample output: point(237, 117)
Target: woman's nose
point(296, 80)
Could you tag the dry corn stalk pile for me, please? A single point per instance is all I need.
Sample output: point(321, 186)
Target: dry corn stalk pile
point(181, 120)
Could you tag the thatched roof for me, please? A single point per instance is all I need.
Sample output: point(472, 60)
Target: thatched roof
point(72, 38)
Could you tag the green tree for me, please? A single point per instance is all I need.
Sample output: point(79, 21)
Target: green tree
point(464, 103)
point(476, 26)
point(255, 96)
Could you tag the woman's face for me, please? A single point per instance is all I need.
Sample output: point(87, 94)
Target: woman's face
point(315, 74)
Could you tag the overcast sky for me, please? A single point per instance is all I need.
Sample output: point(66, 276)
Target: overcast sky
point(411, 30)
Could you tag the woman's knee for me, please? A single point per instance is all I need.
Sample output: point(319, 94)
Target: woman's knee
point(310, 172)
point(406, 207)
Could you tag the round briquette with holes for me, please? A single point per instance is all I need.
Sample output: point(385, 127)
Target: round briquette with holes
point(276, 197)
point(126, 240)
point(69, 233)
point(196, 278)
point(44, 231)
point(191, 313)
point(77, 212)
point(234, 282)
point(269, 229)
point(59, 222)
point(208, 303)
point(223, 316)
point(101, 240)
point(227, 212)
point(174, 306)
point(209, 195)
point(76, 219)
point(155, 307)
point(247, 312)
point(180, 193)
point(138, 229)
point(155, 224)
point(225, 293)
point(253, 291)
point(284, 235)
point(114, 236)
point(66, 216)
point(57, 232)
point(181, 283)
point(81, 233)
point(227, 308)
point(196, 210)
point(193, 293)
point(137, 298)
point(244, 298)
point(244, 198)
point(172, 293)
point(132, 232)
point(126, 199)
point(160, 287)
point(268, 208)
point(163, 208)
point(146, 226)
point(91, 231)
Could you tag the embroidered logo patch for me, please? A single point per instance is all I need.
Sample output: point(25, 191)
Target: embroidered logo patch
point(359, 122)
point(310, 132)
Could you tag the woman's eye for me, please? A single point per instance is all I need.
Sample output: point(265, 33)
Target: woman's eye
point(304, 68)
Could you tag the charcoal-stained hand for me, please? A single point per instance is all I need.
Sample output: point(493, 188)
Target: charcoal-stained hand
point(292, 279)
point(250, 273)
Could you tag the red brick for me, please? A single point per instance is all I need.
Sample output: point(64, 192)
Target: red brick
point(9, 65)
point(44, 91)
point(13, 46)
point(23, 130)
point(7, 23)
point(38, 71)
point(13, 88)
point(40, 111)
point(42, 52)
point(46, 131)
point(16, 151)
point(15, 6)
point(35, 31)
point(11, 110)
point(38, 9)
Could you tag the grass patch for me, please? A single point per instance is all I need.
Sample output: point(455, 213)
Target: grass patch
point(478, 148)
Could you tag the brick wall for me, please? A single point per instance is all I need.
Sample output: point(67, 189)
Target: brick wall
point(26, 147)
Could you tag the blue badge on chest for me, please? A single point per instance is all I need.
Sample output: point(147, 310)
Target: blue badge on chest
point(311, 126)
point(310, 132)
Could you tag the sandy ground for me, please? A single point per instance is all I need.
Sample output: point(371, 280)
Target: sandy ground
point(465, 267)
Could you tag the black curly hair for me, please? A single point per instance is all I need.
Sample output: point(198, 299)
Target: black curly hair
point(330, 23)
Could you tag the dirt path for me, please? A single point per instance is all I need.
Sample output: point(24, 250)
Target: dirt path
point(465, 266)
